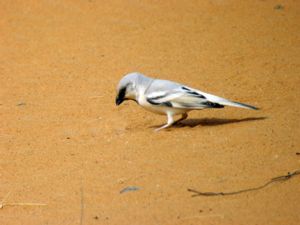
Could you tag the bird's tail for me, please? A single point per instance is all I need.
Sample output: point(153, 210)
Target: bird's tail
point(226, 102)
point(238, 104)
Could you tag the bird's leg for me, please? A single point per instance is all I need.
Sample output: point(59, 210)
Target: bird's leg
point(169, 123)
point(183, 117)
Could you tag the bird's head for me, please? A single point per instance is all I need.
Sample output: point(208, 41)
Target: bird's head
point(127, 88)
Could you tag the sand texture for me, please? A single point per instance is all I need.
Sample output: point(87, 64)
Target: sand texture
point(69, 155)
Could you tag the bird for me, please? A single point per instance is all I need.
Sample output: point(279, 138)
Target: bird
point(168, 98)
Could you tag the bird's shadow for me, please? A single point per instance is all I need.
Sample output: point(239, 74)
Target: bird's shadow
point(213, 121)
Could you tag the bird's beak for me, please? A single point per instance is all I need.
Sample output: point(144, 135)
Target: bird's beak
point(119, 100)
point(121, 96)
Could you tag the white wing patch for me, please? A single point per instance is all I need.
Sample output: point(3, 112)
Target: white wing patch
point(156, 94)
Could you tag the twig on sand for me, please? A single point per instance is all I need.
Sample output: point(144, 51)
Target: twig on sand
point(273, 180)
point(3, 204)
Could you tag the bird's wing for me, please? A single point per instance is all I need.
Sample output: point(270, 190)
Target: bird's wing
point(174, 95)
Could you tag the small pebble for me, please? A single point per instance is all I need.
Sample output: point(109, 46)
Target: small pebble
point(21, 104)
point(279, 7)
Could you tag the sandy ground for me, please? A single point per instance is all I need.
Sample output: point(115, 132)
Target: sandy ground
point(65, 144)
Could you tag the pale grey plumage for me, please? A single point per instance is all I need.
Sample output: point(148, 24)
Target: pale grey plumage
point(167, 97)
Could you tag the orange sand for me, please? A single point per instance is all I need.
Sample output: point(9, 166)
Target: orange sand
point(64, 143)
